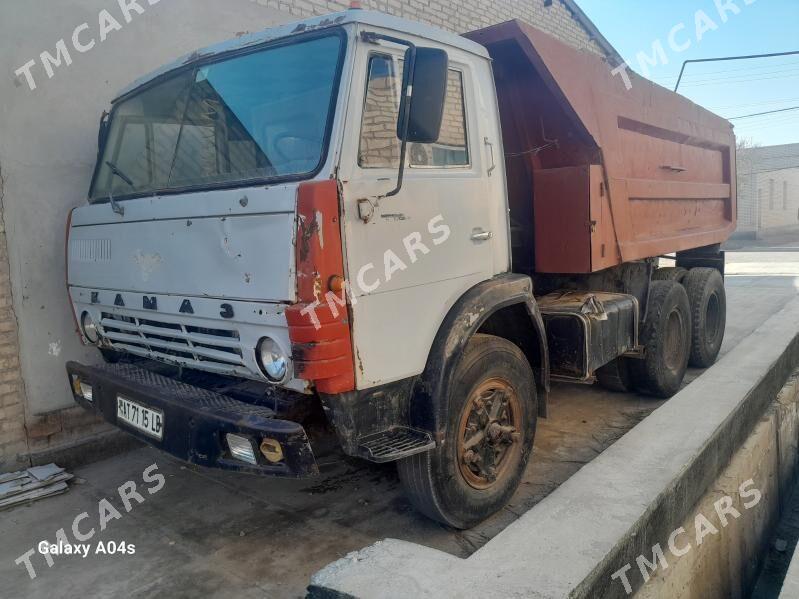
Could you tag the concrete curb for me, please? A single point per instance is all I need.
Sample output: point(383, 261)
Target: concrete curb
point(790, 586)
point(612, 510)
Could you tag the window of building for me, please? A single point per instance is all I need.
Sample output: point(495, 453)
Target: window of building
point(379, 145)
point(785, 195)
point(771, 194)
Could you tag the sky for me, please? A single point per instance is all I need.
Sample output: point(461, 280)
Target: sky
point(729, 88)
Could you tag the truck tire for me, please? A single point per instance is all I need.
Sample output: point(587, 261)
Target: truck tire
point(489, 438)
point(666, 339)
point(708, 301)
point(670, 273)
point(615, 376)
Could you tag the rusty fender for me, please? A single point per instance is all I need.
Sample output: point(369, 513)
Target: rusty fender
point(430, 400)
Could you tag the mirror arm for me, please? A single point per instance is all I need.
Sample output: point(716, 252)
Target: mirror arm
point(407, 92)
point(406, 118)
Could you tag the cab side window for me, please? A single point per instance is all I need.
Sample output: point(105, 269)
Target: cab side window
point(379, 145)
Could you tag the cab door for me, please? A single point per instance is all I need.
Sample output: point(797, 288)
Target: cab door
point(409, 257)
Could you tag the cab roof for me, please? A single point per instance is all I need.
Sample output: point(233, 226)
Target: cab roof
point(365, 17)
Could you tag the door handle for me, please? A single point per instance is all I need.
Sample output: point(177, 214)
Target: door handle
point(480, 235)
point(493, 160)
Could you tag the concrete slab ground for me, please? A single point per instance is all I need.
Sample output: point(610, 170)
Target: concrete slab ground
point(784, 261)
point(767, 241)
point(790, 587)
point(614, 509)
point(217, 534)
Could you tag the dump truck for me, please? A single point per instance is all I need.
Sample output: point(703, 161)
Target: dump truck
point(365, 224)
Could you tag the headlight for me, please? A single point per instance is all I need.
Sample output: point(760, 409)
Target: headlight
point(241, 448)
point(273, 362)
point(89, 328)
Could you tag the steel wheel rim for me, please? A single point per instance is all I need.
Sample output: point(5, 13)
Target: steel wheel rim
point(489, 441)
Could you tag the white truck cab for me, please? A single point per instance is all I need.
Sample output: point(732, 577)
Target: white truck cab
point(205, 224)
point(317, 215)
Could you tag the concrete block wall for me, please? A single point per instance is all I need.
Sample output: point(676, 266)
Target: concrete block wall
point(768, 189)
point(47, 151)
point(727, 564)
point(21, 433)
point(779, 194)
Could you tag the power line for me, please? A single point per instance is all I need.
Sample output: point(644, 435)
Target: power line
point(741, 76)
point(746, 116)
point(702, 78)
point(724, 71)
point(762, 103)
point(685, 63)
point(749, 125)
point(730, 72)
point(766, 119)
point(744, 80)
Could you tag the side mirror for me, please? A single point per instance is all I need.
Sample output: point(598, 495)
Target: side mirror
point(426, 76)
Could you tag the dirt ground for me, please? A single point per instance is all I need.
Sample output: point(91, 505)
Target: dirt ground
point(220, 534)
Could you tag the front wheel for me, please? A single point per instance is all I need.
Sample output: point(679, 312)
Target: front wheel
point(490, 430)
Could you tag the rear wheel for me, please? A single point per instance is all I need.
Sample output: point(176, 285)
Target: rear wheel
point(669, 273)
point(708, 300)
point(666, 339)
point(490, 431)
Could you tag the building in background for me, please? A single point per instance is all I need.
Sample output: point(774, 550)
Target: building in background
point(768, 191)
point(49, 143)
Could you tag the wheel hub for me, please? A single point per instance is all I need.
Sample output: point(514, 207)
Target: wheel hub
point(488, 436)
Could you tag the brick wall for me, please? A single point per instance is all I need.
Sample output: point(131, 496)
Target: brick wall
point(13, 437)
point(461, 16)
point(379, 146)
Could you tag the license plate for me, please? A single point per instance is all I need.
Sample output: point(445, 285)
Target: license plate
point(147, 420)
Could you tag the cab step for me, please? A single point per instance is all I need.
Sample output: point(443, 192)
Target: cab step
point(394, 443)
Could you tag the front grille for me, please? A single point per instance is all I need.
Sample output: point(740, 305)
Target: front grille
point(215, 350)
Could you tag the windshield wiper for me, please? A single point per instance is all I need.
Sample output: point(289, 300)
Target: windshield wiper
point(115, 169)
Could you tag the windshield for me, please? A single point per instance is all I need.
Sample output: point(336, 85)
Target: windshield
point(263, 115)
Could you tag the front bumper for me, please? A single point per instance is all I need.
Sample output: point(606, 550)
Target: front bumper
point(196, 420)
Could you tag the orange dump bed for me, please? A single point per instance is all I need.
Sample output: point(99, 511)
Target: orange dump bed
point(599, 174)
